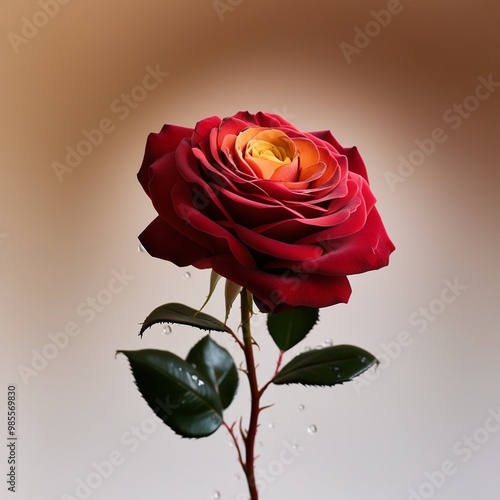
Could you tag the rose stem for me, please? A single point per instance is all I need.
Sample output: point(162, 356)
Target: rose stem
point(230, 429)
point(255, 396)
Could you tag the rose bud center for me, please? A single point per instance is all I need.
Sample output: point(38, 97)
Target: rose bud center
point(268, 152)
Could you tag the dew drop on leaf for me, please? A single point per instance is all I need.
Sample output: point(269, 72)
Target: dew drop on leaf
point(167, 329)
point(198, 381)
point(312, 429)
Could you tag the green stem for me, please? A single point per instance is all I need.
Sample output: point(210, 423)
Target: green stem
point(249, 466)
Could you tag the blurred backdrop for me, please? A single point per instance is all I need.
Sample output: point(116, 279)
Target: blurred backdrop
point(414, 84)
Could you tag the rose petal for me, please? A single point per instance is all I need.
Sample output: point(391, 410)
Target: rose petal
point(222, 240)
point(251, 211)
point(367, 249)
point(309, 154)
point(356, 163)
point(180, 250)
point(285, 290)
point(275, 248)
point(203, 128)
point(158, 145)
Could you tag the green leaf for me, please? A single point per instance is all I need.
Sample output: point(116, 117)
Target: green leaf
point(180, 395)
point(328, 366)
point(290, 327)
point(217, 365)
point(183, 315)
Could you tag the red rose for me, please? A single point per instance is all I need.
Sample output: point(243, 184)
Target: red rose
point(285, 214)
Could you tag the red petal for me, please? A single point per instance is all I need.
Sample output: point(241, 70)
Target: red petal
point(277, 292)
point(158, 145)
point(164, 242)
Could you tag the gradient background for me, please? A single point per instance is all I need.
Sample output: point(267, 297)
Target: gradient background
point(60, 241)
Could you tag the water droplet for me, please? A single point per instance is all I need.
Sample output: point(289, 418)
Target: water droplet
point(215, 494)
point(270, 425)
point(362, 359)
point(339, 375)
point(167, 329)
point(179, 368)
point(186, 276)
point(336, 368)
point(307, 348)
point(312, 429)
point(328, 342)
point(230, 444)
point(295, 445)
point(319, 347)
point(301, 407)
point(140, 248)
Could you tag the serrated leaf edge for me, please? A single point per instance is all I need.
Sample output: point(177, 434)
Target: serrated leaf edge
point(290, 366)
point(183, 384)
point(218, 325)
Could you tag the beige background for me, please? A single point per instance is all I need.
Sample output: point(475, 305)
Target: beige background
point(62, 238)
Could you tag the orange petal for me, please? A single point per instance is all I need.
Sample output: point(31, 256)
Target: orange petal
point(286, 172)
point(308, 152)
point(312, 172)
point(263, 168)
point(327, 175)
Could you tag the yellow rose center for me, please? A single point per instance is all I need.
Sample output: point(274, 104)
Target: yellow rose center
point(259, 148)
point(268, 150)
point(271, 154)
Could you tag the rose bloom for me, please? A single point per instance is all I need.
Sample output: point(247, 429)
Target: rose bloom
point(286, 214)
